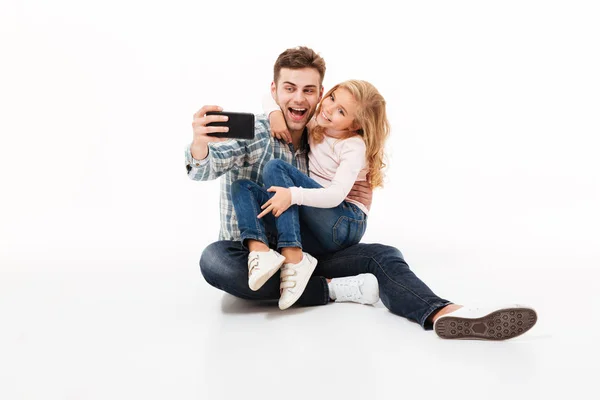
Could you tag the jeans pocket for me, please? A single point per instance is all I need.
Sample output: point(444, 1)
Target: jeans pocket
point(348, 231)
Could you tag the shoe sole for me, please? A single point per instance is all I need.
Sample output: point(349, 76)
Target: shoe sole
point(501, 324)
point(263, 279)
point(299, 292)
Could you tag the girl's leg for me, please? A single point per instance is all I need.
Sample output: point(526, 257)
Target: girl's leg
point(280, 173)
point(263, 262)
point(247, 197)
point(335, 228)
point(299, 266)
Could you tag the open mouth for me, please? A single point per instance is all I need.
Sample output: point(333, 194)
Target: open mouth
point(297, 113)
point(325, 116)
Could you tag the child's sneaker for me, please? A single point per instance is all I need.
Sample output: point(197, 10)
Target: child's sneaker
point(262, 265)
point(294, 278)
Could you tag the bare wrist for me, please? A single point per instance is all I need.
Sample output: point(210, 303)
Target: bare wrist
point(199, 151)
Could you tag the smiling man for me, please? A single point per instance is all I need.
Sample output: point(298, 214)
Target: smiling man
point(297, 88)
point(297, 93)
point(361, 273)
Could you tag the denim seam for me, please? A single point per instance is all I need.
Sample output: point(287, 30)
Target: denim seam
point(256, 212)
point(430, 311)
point(296, 222)
point(253, 237)
point(289, 244)
point(399, 284)
point(335, 229)
point(357, 234)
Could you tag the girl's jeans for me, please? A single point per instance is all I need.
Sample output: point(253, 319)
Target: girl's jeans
point(316, 230)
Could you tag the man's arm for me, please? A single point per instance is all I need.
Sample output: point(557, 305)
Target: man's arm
point(208, 158)
point(362, 192)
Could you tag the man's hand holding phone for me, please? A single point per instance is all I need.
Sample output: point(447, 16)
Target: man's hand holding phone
point(201, 138)
point(212, 124)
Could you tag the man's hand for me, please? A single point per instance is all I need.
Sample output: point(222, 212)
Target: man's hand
point(201, 139)
point(279, 127)
point(362, 192)
point(278, 203)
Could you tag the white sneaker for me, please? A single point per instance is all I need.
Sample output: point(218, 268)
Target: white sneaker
point(294, 278)
point(261, 266)
point(363, 289)
point(486, 323)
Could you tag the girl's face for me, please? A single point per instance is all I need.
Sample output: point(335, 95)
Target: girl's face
point(338, 111)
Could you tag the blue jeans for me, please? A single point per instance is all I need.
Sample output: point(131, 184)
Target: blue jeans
point(224, 266)
point(316, 230)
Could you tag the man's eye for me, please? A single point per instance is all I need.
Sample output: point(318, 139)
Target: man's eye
point(288, 89)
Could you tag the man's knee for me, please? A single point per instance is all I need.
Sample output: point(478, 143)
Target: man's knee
point(384, 253)
point(209, 262)
point(223, 263)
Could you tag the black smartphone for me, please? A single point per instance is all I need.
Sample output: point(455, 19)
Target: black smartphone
point(241, 125)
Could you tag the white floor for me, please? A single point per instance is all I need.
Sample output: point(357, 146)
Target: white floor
point(492, 195)
point(125, 319)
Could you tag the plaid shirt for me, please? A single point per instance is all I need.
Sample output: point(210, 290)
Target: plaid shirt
point(242, 159)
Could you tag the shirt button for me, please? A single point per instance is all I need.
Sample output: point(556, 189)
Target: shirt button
point(197, 164)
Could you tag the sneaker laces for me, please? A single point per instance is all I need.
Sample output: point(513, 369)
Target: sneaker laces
point(348, 290)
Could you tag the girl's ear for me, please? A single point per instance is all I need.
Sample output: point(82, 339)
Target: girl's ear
point(355, 126)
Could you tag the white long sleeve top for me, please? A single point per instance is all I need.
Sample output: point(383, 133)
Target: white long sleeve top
point(336, 164)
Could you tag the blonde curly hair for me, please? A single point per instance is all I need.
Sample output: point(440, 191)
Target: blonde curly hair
point(371, 117)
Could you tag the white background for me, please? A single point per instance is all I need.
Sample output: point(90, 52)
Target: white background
point(492, 195)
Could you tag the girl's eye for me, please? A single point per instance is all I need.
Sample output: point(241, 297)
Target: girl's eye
point(340, 110)
point(331, 97)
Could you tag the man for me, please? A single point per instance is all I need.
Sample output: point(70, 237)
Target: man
point(341, 276)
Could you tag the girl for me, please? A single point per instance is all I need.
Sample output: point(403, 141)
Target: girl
point(346, 137)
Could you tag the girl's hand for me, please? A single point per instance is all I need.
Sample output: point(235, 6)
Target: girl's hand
point(279, 128)
point(278, 203)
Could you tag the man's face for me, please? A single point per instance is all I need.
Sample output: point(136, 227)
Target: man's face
point(297, 92)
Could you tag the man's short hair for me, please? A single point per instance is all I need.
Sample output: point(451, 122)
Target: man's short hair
point(298, 58)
